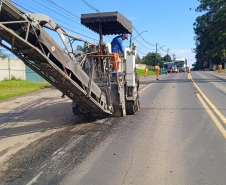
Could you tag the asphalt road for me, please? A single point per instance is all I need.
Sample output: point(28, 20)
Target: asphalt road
point(172, 140)
point(178, 137)
point(40, 135)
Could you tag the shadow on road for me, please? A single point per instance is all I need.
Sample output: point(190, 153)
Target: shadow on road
point(38, 116)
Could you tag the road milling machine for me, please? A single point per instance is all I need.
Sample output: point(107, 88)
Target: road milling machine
point(87, 79)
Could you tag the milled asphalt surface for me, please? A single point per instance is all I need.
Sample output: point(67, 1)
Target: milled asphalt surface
point(38, 128)
point(171, 140)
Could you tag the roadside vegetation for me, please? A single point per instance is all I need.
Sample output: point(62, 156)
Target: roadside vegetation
point(140, 72)
point(210, 33)
point(152, 59)
point(17, 87)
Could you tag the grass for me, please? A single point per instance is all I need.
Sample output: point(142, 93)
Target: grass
point(140, 72)
point(17, 87)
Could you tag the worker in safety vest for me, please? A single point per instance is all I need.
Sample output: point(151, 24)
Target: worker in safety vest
point(157, 69)
point(219, 68)
point(145, 71)
point(116, 46)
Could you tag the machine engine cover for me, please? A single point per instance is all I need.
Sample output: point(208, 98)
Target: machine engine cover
point(130, 70)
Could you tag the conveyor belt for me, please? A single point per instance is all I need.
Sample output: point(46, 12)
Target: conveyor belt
point(48, 66)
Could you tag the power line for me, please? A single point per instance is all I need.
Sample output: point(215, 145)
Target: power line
point(55, 12)
point(57, 18)
point(91, 6)
point(71, 14)
point(78, 33)
point(88, 4)
point(63, 9)
point(142, 48)
point(161, 48)
point(64, 23)
point(68, 11)
point(141, 52)
point(142, 37)
point(148, 42)
point(142, 44)
point(22, 7)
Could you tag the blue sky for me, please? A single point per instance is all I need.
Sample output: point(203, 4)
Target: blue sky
point(169, 22)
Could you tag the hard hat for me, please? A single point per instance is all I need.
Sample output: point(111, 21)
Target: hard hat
point(126, 35)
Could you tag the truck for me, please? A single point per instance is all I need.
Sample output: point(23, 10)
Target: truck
point(181, 63)
point(86, 79)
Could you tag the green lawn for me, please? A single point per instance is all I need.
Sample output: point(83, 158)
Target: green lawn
point(13, 88)
point(141, 72)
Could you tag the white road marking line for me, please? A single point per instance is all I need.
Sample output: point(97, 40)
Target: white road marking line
point(34, 179)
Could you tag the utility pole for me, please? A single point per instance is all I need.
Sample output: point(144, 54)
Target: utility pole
point(174, 57)
point(130, 42)
point(167, 54)
point(156, 55)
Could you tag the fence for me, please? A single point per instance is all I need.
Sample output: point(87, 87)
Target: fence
point(31, 76)
point(12, 68)
point(142, 66)
point(16, 68)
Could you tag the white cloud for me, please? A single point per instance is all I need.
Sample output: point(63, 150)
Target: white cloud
point(186, 53)
point(133, 18)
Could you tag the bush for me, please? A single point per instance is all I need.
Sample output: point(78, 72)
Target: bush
point(14, 78)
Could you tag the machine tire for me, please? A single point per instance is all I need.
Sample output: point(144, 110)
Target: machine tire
point(130, 108)
point(76, 111)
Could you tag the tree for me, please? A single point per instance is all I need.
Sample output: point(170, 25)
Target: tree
point(138, 59)
point(150, 58)
point(167, 58)
point(210, 32)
